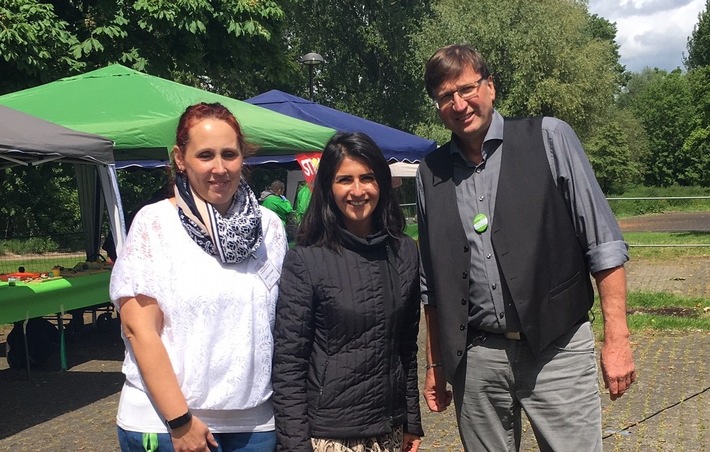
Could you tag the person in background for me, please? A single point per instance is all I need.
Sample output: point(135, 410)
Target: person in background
point(345, 357)
point(511, 223)
point(273, 199)
point(303, 199)
point(196, 287)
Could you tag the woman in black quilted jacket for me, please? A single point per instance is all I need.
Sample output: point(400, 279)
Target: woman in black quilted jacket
point(345, 358)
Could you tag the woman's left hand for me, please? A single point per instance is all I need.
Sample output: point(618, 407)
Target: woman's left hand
point(410, 442)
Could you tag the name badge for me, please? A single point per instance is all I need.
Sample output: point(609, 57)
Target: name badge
point(267, 271)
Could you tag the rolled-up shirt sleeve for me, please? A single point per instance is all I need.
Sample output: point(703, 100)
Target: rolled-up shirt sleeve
point(596, 227)
point(424, 261)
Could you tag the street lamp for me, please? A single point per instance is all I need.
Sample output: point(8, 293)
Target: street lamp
point(311, 60)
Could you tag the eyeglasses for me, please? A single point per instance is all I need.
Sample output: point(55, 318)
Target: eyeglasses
point(465, 92)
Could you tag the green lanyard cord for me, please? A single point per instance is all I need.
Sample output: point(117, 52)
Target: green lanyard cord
point(150, 442)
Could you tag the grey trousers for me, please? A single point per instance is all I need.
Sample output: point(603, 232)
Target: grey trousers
point(559, 393)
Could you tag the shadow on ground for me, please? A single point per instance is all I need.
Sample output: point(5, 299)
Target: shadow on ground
point(94, 373)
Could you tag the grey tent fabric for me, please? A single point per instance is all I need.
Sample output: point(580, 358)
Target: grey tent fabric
point(26, 140)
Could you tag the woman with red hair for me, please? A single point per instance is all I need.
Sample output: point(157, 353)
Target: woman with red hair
point(196, 287)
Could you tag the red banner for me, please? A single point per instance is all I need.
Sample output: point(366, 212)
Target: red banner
point(309, 165)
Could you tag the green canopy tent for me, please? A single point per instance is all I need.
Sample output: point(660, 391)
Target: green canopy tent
point(140, 112)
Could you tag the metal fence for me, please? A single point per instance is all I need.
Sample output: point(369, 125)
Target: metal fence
point(410, 212)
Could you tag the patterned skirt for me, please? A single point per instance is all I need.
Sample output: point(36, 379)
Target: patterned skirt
point(390, 442)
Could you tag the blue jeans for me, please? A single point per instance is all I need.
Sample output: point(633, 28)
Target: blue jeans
point(558, 391)
point(227, 442)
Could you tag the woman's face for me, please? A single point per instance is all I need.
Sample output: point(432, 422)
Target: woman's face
point(356, 194)
point(212, 161)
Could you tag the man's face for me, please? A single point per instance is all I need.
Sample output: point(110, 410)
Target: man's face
point(470, 118)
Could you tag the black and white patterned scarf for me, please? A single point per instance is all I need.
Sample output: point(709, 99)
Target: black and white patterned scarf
point(233, 237)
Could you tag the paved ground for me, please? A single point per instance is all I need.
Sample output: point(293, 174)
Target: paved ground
point(668, 409)
point(668, 222)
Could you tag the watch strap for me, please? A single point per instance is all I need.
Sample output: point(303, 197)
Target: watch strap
point(179, 421)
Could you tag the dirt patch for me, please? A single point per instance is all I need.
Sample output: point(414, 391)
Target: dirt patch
point(667, 311)
point(668, 222)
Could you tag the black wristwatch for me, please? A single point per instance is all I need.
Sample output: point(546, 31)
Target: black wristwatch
point(179, 421)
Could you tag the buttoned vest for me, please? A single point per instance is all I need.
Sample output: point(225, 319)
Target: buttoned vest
point(540, 258)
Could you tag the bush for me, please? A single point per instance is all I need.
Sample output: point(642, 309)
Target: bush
point(625, 208)
point(32, 245)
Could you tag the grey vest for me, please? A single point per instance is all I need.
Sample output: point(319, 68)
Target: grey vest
point(540, 258)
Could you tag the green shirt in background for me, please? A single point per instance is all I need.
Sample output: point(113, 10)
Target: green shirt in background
point(303, 198)
point(278, 204)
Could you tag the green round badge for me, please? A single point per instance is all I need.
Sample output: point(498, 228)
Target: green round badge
point(480, 223)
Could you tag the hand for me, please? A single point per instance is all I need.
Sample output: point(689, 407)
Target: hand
point(435, 394)
point(618, 369)
point(193, 437)
point(410, 442)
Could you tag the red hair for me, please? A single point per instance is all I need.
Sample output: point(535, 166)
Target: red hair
point(196, 113)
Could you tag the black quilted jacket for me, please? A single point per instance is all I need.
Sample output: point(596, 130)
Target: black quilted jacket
point(345, 358)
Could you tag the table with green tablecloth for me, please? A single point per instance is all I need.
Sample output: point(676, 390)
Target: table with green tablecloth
point(24, 301)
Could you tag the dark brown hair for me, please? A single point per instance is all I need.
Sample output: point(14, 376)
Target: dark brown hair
point(450, 62)
point(323, 220)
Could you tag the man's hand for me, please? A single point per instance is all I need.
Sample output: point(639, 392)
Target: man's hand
point(435, 394)
point(618, 369)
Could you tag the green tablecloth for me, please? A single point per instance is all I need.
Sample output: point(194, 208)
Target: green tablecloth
point(26, 301)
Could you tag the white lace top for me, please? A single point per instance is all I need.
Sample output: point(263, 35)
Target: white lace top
point(218, 318)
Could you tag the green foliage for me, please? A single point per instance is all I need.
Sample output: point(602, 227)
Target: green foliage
point(662, 101)
point(695, 156)
point(610, 156)
point(219, 45)
point(369, 70)
point(626, 207)
point(39, 200)
point(699, 41)
point(34, 45)
point(32, 245)
point(699, 83)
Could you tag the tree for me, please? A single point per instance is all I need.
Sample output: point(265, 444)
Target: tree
point(696, 158)
point(699, 41)
point(699, 81)
point(610, 156)
point(216, 45)
point(35, 45)
point(662, 101)
point(367, 47)
point(28, 211)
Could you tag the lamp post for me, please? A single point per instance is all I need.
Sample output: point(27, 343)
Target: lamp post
point(311, 60)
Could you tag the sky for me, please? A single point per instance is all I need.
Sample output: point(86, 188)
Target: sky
point(651, 33)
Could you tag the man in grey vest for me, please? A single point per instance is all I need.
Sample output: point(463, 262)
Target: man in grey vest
point(511, 224)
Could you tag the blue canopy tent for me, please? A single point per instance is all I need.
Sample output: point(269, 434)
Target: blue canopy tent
point(396, 145)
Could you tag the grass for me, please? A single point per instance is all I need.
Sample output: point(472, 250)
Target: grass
point(661, 311)
point(655, 245)
point(40, 264)
point(624, 208)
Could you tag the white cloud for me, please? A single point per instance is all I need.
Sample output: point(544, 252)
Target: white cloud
point(651, 33)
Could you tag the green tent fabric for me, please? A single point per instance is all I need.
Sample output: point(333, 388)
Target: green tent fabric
point(140, 112)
